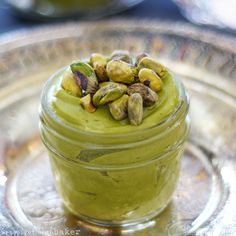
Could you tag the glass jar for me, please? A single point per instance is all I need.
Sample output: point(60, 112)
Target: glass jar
point(116, 178)
point(55, 9)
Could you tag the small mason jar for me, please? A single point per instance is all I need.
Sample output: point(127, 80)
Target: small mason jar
point(115, 179)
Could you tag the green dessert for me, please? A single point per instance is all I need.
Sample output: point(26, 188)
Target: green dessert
point(115, 129)
point(82, 4)
point(72, 5)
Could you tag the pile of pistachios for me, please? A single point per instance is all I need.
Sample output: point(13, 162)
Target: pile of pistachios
point(124, 83)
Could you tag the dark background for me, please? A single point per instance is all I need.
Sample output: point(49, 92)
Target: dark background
point(148, 9)
point(154, 9)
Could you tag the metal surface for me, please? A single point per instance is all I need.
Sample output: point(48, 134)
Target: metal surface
point(204, 203)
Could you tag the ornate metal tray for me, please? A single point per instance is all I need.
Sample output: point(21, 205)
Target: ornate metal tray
point(205, 201)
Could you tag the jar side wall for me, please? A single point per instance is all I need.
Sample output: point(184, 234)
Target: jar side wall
point(117, 195)
point(116, 178)
point(117, 156)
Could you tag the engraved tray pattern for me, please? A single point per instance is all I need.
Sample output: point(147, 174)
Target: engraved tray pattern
point(204, 203)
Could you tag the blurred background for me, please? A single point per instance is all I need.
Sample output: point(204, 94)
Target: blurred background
point(18, 14)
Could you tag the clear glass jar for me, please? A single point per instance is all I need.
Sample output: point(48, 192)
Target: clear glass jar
point(115, 179)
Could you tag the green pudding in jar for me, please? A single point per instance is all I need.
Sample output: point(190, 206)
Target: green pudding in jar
point(72, 4)
point(115, 129)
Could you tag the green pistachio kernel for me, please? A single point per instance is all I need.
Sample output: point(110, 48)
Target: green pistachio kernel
point(149, 96)
point(85, 77)
point(86, 103)
point(118, 108)
point(149, 78)
point(154, 65)
point(69, 84)
point(135, 109)
point(106, 83)
point(108, 93)
point(99, 62)
point(120, 71)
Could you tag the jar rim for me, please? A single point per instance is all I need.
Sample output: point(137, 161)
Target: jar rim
point(160, 124)
point(115, 167)
point(135, 138)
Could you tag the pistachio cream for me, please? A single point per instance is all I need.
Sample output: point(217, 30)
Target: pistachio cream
point(72, 4)
point(115, 128)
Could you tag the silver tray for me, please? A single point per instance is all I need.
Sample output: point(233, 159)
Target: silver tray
point(205, 200)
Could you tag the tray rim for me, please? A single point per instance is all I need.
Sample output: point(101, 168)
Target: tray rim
point(17, 38)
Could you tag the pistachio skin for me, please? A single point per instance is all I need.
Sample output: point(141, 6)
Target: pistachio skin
point(99, 62)
point(120, 71)
point(108, 93)
point(86, 103)
point(140, 57)
point(122, 55)
point(135, 109)
point(154, 65)
point(150, 79)
point(85, 77)
point(149, 97)
point(69, 84)
point(118, 108)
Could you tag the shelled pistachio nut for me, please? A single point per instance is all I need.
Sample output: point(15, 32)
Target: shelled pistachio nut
point(98, 58)
point(99, 62)
point(118, 108)
point(154, 65)
point(85, 77)
point(103, 84)
point(69, 84)
point(108, 93)
point(135, 109)
point(120, 71)
point(122, 55)
point(86, 103)
point(149, 96)
point(149, 78)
